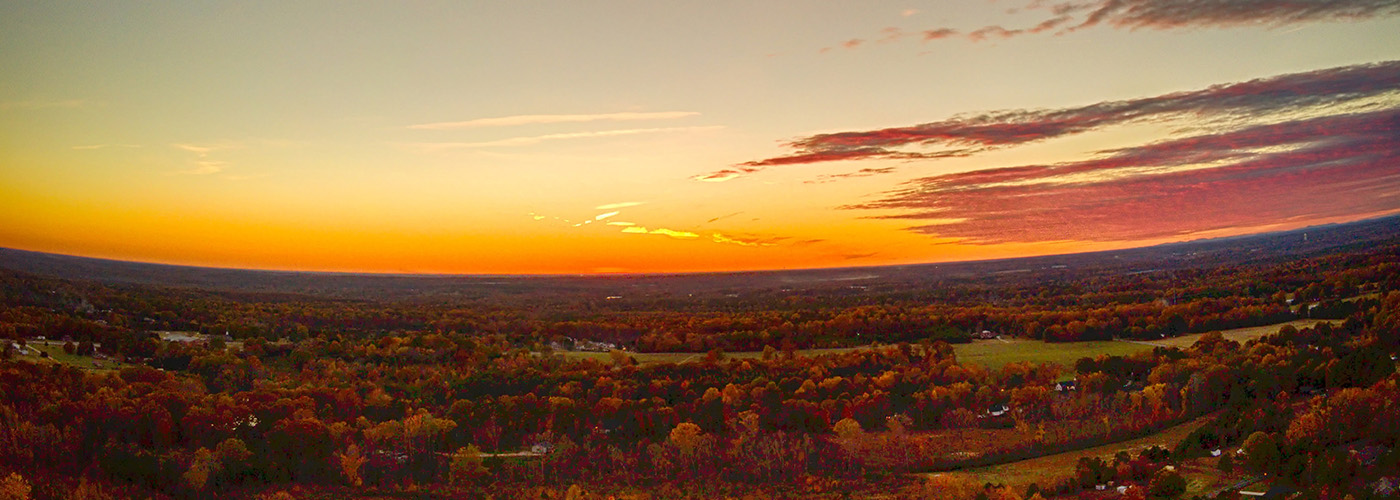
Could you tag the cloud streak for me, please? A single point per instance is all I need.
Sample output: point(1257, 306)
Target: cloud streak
point(1068, 17)
point(1295, 172)
point(625, 204)
point(1177, 14)
point(202, 164)
point(967, 135)
point(680, 235)
point(511, 121)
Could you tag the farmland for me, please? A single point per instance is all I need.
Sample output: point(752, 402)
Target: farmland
point(992, 354)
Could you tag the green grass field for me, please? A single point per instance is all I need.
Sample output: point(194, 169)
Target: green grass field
point(56, 355)
point(1044, 470)
point(1241, 335)
point(990, 353)
point(996, 353)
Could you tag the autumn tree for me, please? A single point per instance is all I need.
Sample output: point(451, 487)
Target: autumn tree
point(350, 462)
point(14, 487)
point(466, 465)
point(202, 467)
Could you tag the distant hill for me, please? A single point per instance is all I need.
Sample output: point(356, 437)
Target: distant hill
point(1214, 252)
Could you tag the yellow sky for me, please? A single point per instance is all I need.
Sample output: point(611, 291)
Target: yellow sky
point(451, 138)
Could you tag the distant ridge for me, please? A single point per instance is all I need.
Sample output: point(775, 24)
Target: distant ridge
point(1219, 251)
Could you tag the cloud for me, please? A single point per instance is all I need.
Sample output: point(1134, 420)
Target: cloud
point(864, 172)
point(431, 147)
point(509, 121)
point(967, 135)
point(683, 235)
point(1071, 16)
point(1295, 172)
point(606, 215)
point(939, 34)
point(203, 150)
point(1176, 14)
point(195, 148)
point(725, 216)
point(202, 164)
point(746, 240)
point(624, 204)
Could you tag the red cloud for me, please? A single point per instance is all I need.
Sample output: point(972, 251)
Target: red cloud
point(1306, 170)
point(966, 135)
point(1179, 14)
point(1174, 14)
point(938, 34)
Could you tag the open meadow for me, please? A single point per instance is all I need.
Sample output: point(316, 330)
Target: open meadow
point(1050, 468)
point(994, 353)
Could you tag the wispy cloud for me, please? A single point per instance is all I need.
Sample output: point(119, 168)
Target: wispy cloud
point(510, 121)
point(1303, 171)
point(1070, 16)
point(204, 149)
point(682, 235)
point(1174, 14)
point(747, 240)
point(864, 172)
point(202, 165)
point(1221, 106)
point(938, 34)
point(722, 217)
point(625, 204)
point(432, 147)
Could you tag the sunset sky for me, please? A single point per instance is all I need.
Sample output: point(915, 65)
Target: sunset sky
point(612, 136)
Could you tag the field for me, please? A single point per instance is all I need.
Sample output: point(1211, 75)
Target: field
point(988, 353)
point(996, 353)
point(56, 355)
point(1240, 335)
point(682, 357)
point(991, 354)
point(1045, 470)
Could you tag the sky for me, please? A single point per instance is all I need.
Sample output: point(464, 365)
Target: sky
point(624, 136)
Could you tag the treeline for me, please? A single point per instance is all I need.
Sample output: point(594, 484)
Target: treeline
point(1067, 308)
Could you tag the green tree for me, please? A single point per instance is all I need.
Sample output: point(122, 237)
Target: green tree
point(204, 466)
point(1166, 483)
point(466, 465)
point(1262, 452)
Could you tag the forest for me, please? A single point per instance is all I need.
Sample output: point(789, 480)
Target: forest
point(120, 390)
